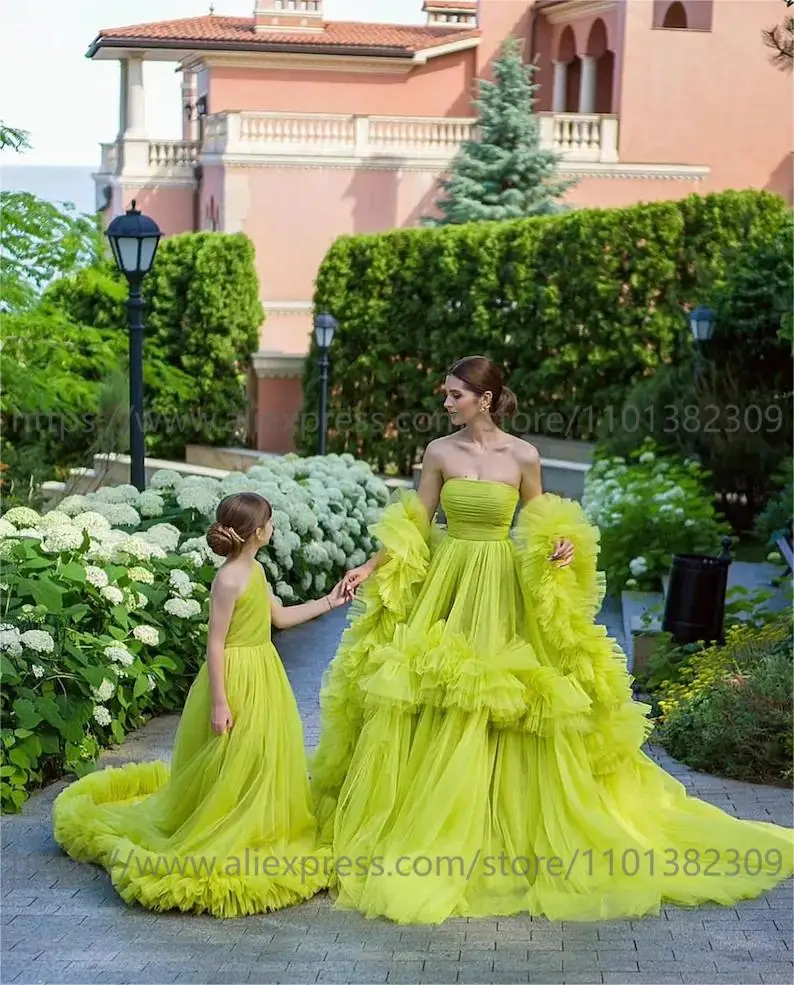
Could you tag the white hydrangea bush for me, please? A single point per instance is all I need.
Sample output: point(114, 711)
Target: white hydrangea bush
point(323, 508)
point(106, 597)
point(102, 627)
point(649, 508)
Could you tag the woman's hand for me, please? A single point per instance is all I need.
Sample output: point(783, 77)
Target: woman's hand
point(563, 553)
point(337, 596)
point(355, 577)
point(221, 718)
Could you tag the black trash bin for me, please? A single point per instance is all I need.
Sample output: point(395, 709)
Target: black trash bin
point(695, 606)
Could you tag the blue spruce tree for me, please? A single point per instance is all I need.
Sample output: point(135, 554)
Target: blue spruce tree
point(504, 173)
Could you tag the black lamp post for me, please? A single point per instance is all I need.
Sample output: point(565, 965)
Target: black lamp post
point(701, 321)
point(324, 327)
point(133, 239)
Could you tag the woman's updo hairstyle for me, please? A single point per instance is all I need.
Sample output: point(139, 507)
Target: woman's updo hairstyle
point(237, 518)
point(480, 375)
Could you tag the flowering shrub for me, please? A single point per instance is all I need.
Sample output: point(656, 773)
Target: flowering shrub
point(89, 643)
point(104, 600)
point(648, 509)
point(729, 709)
point(322, 508)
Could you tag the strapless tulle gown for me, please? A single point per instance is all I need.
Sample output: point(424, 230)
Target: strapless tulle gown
point(480, 751)
point(229, 829)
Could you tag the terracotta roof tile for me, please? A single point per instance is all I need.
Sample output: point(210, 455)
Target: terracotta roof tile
point(236, 31)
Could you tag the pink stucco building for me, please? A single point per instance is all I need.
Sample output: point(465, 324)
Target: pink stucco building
point(297, 130)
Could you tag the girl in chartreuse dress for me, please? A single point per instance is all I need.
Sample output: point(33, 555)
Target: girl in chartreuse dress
point(480, 752)
point(230, 829)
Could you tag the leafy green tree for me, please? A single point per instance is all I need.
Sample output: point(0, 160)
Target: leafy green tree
point(39, 240)
point(504, 173)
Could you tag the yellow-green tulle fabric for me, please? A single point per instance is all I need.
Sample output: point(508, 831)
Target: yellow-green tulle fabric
point(480, 751)
point(229, 829)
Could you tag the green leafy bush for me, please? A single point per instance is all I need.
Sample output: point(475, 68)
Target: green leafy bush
point(775, 520)
point(739, 435)
point(202, 325)
point(748, 610)
point(730, 710)
point(647, 509)
point(56, 412)
point(577, 308)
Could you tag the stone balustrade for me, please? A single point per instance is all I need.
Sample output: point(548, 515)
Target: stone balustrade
point(315, 137)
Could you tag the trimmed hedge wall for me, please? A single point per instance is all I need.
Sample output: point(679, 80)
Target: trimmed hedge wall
point(203, 316)
point(577, 309)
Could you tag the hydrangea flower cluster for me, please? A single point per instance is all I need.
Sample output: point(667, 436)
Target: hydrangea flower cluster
point(648, 509)
point(322, 509)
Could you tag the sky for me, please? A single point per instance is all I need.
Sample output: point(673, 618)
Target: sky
point(69, 104)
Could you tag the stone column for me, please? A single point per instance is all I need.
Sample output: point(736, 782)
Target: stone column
point(560, 86)
point(134, 147)
point(190, 125)
point(136, 100)
point(587, 87)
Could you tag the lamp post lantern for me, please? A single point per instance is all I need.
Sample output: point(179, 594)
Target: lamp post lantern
point(324, 327)
point(133, 239)
point(701, 322)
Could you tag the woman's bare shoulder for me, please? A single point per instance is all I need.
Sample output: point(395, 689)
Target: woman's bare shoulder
point(526, 453)
point(439, 448)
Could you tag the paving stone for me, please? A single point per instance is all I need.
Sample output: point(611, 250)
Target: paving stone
point(303, 975)
point(783, 976)
point(565, 978)
point(366, 976)
point(70, 916)
point(511, 962)
point(447, 970)
point(626, 978)
point(722, 978)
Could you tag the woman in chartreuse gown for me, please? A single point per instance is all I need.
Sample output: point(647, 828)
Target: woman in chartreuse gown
point(230, 828)
point(480, 751)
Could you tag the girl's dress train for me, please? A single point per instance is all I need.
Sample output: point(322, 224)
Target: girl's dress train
point(229, 829)
point(481, 751)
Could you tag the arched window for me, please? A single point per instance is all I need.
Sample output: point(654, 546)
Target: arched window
point(675, 17)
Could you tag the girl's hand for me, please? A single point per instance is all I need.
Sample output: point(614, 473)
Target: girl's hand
point(337, 596)
point(355, 577)
point(563, 553)
point(221, 718)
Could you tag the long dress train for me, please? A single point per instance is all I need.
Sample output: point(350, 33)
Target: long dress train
point(229, 829)
point(480, 751)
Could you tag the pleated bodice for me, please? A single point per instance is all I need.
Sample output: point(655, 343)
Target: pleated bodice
point(478, 509)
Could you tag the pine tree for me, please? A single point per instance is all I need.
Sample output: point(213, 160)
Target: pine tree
point(504, 173)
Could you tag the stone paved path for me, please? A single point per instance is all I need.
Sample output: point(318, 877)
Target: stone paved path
point(62, 922)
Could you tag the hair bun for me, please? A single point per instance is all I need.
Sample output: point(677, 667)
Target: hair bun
point(222, 539)
point(506, 405)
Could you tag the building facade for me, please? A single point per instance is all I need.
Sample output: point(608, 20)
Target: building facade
point(297, 130)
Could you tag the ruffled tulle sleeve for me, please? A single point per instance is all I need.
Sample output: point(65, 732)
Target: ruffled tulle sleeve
point(565, 602)
point(406, 538)
point(403, 533)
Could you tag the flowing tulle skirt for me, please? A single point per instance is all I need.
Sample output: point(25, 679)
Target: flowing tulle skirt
point(481, 751)
point(229, 828)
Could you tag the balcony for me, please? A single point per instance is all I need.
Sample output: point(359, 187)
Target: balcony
point(575, 136)
point(153, 159)
point(385, 141)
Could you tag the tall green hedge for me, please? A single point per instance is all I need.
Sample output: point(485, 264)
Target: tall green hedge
point(203, 315)
point(577, 309)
